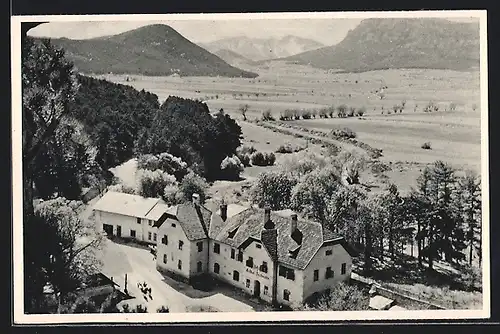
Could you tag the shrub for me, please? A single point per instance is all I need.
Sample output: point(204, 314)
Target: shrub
point(152, 183)
point(121, 188)
point(314, 113)
point(231, 168)
point(162, 309)
point(342, 297)
point(342, 111)
point(323, 113)
point(331, 111)
point(289, 148)
point(426, 146)
point(263, 159)
point(452, 106)
point(361, 111)
point(267, 115)
point(246, 149)
point(342, 133)
point(244, 158)
point(351, 112)
point(306, 114)
point(270, 159)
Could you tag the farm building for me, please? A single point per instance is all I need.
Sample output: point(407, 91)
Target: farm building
point(274, 256)
point(129, 216)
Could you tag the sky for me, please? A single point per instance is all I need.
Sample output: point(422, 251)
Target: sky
point(328, 31)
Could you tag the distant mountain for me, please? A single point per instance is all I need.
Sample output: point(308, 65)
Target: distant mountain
point(151, 50)
point(400, 43)
point(261, 49)
point(233, 58)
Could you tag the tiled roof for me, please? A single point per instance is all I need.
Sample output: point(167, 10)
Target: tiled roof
point(250, 222)
point(194, 219)
point(125, 204)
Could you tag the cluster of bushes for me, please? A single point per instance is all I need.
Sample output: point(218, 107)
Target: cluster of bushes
point(231, 168)
point(431, 106)
point(263, 158)
point(290, 148)
point(426, 146)
point(342, 133)
point(330, 112)
point(267, 115)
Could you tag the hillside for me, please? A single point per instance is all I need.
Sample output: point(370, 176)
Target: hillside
point(155, 50)
point(233, 58)
point(261, 49)
point(400, 43)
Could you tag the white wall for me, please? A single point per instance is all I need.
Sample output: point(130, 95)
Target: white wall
point(321, 261)
point(175, 234)
point(196, 257)
point(227, 265)
point(127, 223)
point(295, 287)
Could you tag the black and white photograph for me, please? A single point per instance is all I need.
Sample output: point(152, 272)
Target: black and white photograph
point(250, 167)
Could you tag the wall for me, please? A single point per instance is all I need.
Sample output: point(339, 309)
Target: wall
point(196, 257)
point(321, 261)
point(295, 287)
point(127, 223)
point(228, 265)
point(172, 249)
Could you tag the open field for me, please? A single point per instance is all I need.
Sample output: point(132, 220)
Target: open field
point(454, 135)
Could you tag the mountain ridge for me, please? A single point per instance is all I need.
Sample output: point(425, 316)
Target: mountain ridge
point(155, 50)
point(377, 44)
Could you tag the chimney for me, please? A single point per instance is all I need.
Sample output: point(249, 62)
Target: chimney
point(223, 211)
point(196, 199)
point(293, 225)
point(267, 214)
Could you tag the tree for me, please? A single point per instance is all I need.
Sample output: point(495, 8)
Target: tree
point(342, 111)
point(153, 183)
point(65, 255)
point(231, 167)
point(243, 111)
point(164, 161)
point(193, 184)
point(352, 164)
point(342, 297)
point(468, 204)
point(48, 86)
point(273, 189)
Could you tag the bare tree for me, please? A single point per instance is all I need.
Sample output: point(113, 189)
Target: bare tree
point(243, 110)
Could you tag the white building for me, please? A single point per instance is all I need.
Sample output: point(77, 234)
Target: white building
point(271, 255)
point(129, 216)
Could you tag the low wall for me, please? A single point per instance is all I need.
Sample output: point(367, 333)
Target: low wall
point(401, 299)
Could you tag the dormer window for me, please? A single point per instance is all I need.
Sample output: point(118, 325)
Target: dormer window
point(258, 245)
point(328, 252)
point(232, 233)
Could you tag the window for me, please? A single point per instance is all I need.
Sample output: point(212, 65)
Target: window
point(343, 269)
point(233, 253)
point(150, 222)
point(199, 266)
point(263, 267)
point(287, 273)
point(216, 268)
point(165, 258)
point(236, 276)
point(149, 235)
point(181, 243)
point(316, 275)
point(248, 283)
point(138, 220)
point(249, 262)
point(132, 233)
point(329, 272)
point(217, 248)
point(286, 294)
point(240, 256)
point(200, 246)
point(154, 236)
point(266, 290)
point(258, 245)
point(328, 252)
point(173, 225)
point(164, 240)
point(179, 265)
point(172, 256)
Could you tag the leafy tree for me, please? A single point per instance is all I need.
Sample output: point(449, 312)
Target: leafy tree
point(273, 189)
point(342, 111)
point(164, 161)
point(351, 164)
point(342, 297)
point(193, 184)
point(231, 167)
point(153, 183)
point(121, 188)
point(48, 86)
point(65, 255)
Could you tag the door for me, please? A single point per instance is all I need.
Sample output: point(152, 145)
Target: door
point(256, 288)
point(108, 229)
point(118, 230)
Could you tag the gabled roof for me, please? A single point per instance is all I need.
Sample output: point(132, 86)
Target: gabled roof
point(126, 204)
point(157, 211)
point(193, 219)
point(249, 224)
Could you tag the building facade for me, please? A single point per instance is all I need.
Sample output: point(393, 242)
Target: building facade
point(274, 256)
point(129, 216)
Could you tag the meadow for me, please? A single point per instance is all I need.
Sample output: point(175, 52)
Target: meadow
point(454, 136)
